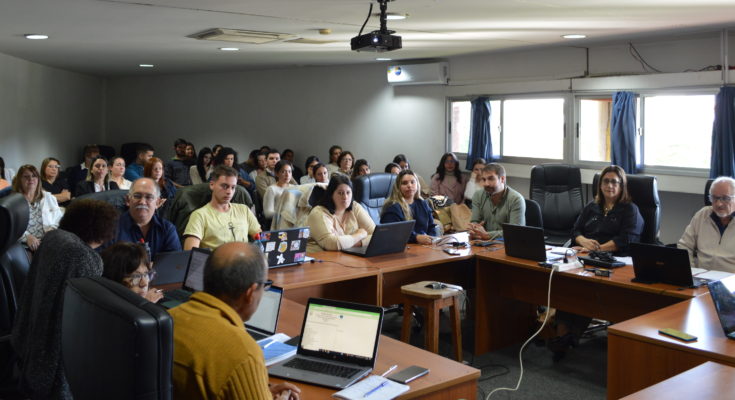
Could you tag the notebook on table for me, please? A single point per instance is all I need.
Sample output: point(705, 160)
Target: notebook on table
point(386, 239)
point(193, 280)
point(654, 264)
point(170, 267)
point(339, 344)
point(723, 295)
point(285, 247)
point(264, 321)
point(526, 242)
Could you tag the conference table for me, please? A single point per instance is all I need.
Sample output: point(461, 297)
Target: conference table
point(447, 379)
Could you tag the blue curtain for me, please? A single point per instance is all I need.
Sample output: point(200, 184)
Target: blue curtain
point(480, 144)
point(722, 162)
point(622, 131)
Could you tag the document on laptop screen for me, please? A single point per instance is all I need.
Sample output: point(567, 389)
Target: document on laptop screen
point(340, 330)
point(266, 316)
point(195, 276)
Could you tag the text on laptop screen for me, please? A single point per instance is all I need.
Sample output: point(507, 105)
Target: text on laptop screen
point(266, 316)
point(195, 277)
point(340, 330)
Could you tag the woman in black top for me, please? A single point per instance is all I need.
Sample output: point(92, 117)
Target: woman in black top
point(51, 182)
point(98, 180)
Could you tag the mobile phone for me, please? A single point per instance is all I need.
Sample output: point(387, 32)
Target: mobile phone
point(408, 374)
point(677, 334)
point(452, 252)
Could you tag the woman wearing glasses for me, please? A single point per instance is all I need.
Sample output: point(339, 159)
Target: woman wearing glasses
point(127, 263)
point(51, 183)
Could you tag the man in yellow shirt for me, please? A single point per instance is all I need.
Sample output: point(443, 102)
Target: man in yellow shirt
point(220, 221)
point(214, 357)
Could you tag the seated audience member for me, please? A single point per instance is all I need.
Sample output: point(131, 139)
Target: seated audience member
point(78, 173)
point(98, 180)
point(215, 149)
point(495, 205)
point(288, 155)
point(392, 168)
point(199, 172)
point(321, 173)
point(612, 220)
point(214, 357)
point(251, 163)
point(128, 264)
point(268, 176)
point(709, 237)
point(154, 170)
point(345, 162)
point(283, 174)
point(140, 224)
point(45, 211)
point(143, 153)
point(361, 168)
point(177, 169)
point(260, 165)
point(220, 221)
point(402, 161)
point(448, 180)
point(228, 157)
point(609, 223)
point(191, 154)
point(333, 164)
point(311, 161)
point(51, 183)
point(475, 182)
point(3, 181)
point(65, 253)
point(405, 204)
point(338, 222)
point(117, 173)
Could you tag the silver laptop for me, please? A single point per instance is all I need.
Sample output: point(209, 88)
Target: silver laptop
point(339, 344)
point(264, 322)
point(386, 239)
point(723, 295)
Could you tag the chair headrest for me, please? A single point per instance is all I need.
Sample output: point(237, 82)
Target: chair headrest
point(373, 186)
point(556, 177)
point(14, 215)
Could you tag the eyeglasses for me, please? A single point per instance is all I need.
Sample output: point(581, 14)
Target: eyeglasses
point(53, 166)
point(141, 196)
point(267, 284)
point(613, 182)
point(724, 199)
point(136, 277)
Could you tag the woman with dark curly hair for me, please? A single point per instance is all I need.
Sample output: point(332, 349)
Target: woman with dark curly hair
point(128, 264)
point(65, 253)
point(448, 180)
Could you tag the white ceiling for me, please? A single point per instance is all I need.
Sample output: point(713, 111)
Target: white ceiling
point(112, 37)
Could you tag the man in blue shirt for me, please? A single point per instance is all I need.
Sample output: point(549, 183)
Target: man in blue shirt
point(143, 153)
point(140, 224)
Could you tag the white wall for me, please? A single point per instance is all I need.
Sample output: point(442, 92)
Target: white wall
point(46, 112)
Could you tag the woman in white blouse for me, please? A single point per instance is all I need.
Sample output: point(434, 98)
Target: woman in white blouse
point(45, 213)
point(117, 170)
point(283, 172)
point(475, 181)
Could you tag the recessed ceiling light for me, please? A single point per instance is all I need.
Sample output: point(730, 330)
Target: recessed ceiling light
point(229, 48)
point(146, 65)
point(574, 36)
point(392, 16)
point(383, 59)
point(36, 36)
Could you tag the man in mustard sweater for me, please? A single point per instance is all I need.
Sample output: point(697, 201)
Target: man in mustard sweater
point(214, 357)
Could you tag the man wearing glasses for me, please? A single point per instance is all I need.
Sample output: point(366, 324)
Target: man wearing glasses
point(140, 224)
point(214, 357)
point(709, 238)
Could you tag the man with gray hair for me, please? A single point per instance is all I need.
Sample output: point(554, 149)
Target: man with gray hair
point(214, 357)
point(709, 238)
point(140, 224)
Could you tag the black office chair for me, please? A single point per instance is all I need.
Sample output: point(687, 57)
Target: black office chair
point(707, 186)
point(115, 344)
point(643, 189)
point(128, 151)
point(533, 214)
point(371, 191)
point(106, 151)
point(557, 188)
point(114, 197)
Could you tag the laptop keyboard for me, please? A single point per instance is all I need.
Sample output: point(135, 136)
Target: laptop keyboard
point(322, 368)
point(179, 295)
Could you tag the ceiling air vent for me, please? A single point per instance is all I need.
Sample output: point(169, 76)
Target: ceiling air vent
point(241, 36)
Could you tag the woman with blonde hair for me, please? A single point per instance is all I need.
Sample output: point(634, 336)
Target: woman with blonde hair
point(98, 180)
point(405, 204)
point(45, 213)
point(117, 172)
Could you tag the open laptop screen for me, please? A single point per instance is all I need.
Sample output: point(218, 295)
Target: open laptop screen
point(341, 332)
point(195, 272)
point(265, 318)
point(723, 295)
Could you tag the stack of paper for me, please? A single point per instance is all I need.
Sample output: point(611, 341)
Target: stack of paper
point(274, 350)
point(373, 387)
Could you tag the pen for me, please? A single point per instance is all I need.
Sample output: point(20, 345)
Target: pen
point(389, 370)
point(373, 390)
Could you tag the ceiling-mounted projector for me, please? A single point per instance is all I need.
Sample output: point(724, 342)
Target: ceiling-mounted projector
point(380, 40)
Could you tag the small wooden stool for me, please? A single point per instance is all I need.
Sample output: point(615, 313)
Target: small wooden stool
point(432, 300)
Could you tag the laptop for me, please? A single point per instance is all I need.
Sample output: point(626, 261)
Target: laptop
point(339, 344)
point(386, 239)
point(170, 267)
point(525, 242)
point(723, 295)
point(193, 280)
point(285, 247)
point(654, 264)
point(264, 322)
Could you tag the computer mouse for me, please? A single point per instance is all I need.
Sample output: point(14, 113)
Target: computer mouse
point(435, 285)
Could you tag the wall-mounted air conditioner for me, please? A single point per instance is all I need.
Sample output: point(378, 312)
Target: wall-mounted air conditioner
point(436, 73)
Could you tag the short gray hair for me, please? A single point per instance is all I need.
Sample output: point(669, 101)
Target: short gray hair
point(722, 179)
point(229, 277)
point(155, 186)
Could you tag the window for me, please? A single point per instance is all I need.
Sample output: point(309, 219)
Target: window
point(461, 120)
point(533, 128)
point(677, 130)
point(594, 129)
